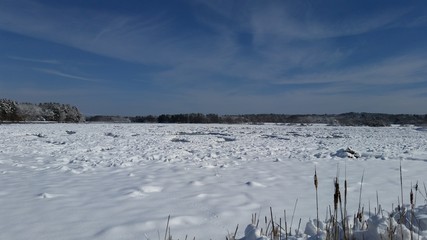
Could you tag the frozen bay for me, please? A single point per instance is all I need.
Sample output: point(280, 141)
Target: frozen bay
point(121, 181)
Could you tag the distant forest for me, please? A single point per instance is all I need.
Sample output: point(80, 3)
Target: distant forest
point(345, 119)
point(11, 111)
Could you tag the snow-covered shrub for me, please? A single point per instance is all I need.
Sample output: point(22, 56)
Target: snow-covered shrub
point(8, 110)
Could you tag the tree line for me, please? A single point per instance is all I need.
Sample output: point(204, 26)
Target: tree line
point(12, 111)
point(345, 119)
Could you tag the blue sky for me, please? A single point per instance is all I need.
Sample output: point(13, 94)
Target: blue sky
point(228, 57)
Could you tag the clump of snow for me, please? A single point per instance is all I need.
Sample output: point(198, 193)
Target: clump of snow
point(253, 233)
point(347, 153)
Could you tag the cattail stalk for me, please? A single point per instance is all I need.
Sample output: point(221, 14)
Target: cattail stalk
point(272, 224)
point(167, 228)
point(316, 184)
point(286, 225)
point(337, 199)
point(235, 232)
point(411, 199)
point(345, 224)
point(402, 212)
point(360, 192)
point(292, 218)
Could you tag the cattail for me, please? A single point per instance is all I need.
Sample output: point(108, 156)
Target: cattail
point(337, 196)
point(316, 184)
point(359, 216)
point(345, 193)
point(336, 199)
point(315, 179)
point(411, 197)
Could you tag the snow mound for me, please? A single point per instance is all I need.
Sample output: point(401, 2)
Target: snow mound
point(346, 153)
point(253, 233)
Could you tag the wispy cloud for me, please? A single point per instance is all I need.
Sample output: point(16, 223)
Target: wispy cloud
point(155, 39)
point(236, 47)
point(286, 39)
point(106, 33)
point(65, 75)
point(395, 70)
point(300, 20)
point(47, 61)
point(280, 22)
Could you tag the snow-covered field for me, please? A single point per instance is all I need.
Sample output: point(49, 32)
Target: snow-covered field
point(121, 181)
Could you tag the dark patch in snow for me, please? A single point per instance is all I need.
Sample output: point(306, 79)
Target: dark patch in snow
point(295, 134)
point(56, 142)
point(111, 135)
point(275, 137)
point(40, 135)
point(228, 139)
point(335, 136)
point(421, 129)
point(203, 133)
point(180, 140)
